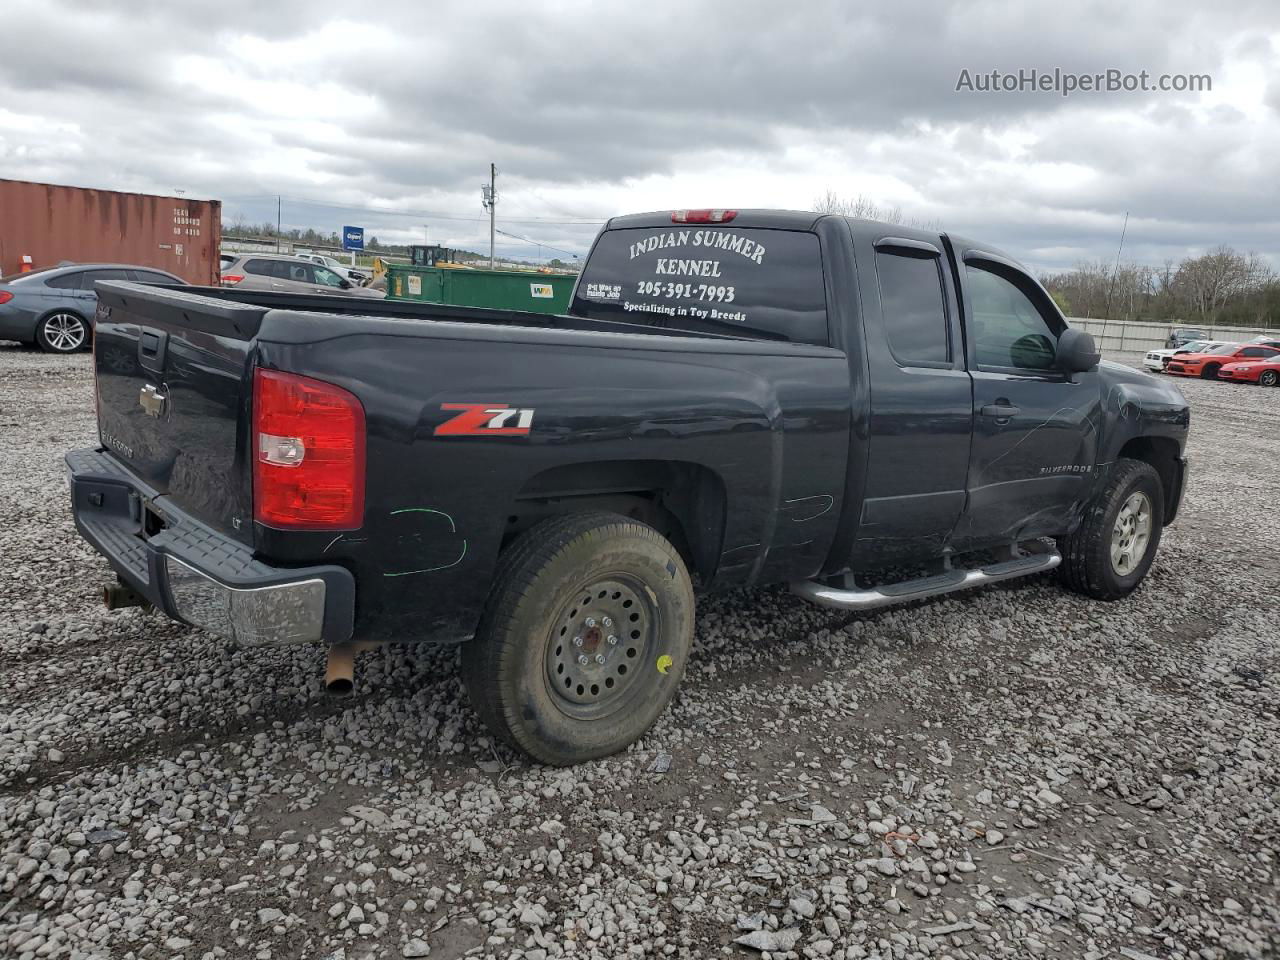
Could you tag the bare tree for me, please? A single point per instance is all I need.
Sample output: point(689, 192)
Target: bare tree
point(861, 206)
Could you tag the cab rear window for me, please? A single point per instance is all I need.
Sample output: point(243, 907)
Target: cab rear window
point(754, 283)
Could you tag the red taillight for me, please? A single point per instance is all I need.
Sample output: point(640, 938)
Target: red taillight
point(231, 279)
point(308, 453)
point(702, 216)
point(5, 296)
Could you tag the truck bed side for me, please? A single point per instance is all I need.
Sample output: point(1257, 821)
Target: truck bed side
point(740, 445)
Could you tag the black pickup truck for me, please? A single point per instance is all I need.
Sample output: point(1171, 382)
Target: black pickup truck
point(734, 398)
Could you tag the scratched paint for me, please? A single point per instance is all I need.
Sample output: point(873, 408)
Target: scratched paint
point(453, 528)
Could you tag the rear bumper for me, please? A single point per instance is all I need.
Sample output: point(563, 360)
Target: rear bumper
point(196, 574)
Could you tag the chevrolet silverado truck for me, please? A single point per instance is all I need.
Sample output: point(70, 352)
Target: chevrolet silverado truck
point(867, 412)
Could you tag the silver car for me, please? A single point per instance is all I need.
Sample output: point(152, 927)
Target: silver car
point(54, 307)
point(281, 274)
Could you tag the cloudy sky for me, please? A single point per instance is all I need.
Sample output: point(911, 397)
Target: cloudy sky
point(388, 114)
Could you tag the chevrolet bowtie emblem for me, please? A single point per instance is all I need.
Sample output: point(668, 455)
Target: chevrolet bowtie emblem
point(151, 401)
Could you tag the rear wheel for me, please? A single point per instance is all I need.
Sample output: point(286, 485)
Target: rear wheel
point(1112, 550)
point(1269, 378)
point(584, 638)
point(62, 333)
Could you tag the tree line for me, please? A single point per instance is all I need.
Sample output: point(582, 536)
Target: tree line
point(1221, 287)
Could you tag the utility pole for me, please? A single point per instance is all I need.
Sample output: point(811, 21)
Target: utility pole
point(489, 199)
point(277, 223)
point(424, 233)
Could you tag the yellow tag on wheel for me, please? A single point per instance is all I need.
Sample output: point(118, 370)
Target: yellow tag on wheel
point(664, 663)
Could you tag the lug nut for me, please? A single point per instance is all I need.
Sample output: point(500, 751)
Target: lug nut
point(577, 641)
point(590, 621)
point(612, 639)
point(607, 621)
point(582, 659)
point(599, 658)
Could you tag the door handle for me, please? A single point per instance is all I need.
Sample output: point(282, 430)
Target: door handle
point(1001, 410)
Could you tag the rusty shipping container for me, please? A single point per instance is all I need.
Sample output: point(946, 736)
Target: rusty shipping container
point(51, 223)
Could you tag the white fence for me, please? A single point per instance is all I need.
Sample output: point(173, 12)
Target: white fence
point(1135, 336)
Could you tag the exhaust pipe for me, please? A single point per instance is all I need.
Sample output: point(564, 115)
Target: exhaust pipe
point(117, 596)
point(339, 670)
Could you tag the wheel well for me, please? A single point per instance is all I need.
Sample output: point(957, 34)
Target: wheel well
point(1162, 454)
point(683, 501)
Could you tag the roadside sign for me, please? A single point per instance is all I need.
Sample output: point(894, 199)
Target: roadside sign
point(353, 238)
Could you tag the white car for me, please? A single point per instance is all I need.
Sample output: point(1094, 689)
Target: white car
point(337, 266)
point(1157, 360)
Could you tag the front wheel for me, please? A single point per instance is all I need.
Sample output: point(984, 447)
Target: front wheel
point(584, 638)
point(1113, 548)
point(62, 333)
point(1268, 378)
point(1210, 372)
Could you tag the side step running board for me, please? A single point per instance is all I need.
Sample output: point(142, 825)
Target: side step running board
point(1035, 557)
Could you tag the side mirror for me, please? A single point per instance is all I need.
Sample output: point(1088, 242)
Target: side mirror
point(1077, 352)
point(345, 284)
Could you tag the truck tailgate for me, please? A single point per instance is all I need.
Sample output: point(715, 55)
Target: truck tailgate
point(173, 381)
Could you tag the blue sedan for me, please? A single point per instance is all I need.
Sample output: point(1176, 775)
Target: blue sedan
point(54, 307)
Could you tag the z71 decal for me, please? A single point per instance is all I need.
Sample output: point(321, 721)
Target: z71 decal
point(486, 420)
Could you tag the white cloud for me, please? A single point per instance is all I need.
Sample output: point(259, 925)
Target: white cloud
point(591, 111)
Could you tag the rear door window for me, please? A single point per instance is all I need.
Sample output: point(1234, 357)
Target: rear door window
point(915, 314)
point(260, 267)
point(92, 275)
point(713, 279)
point(148, 276)
point(67, 281)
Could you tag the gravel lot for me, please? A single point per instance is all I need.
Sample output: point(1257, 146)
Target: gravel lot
point(1009, 773)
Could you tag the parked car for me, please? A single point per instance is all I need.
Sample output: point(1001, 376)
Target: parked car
point(1267, 339)
point(54, 307)
point(284, 274)
point(1264, 372)
point(1183, 335)
point(746, 397)
point(357, 277)
point(1157, 360)
point(1209, 363)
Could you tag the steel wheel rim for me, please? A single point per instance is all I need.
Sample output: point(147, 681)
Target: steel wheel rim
point(1131, 533)
point(64, 332)
point(1268, 378)
point(614, 605)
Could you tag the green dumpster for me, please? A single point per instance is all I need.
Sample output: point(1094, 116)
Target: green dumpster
point(500, 289)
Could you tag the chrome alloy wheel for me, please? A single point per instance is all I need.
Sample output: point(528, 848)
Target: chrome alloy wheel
point(1131, 534)
point(64, 332)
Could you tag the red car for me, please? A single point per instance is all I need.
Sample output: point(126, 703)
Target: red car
point(1265, 372)
point(1210, 363)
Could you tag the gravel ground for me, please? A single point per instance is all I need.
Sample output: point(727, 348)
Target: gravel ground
point(1008, 773)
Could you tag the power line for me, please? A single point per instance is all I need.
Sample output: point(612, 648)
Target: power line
point(538, 243)
point(435, 215)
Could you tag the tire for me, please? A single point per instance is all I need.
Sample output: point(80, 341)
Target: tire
point(62, 332)
point(580, 577)
point(1268, 378)
point(1088, 565)
point(1210, 372)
